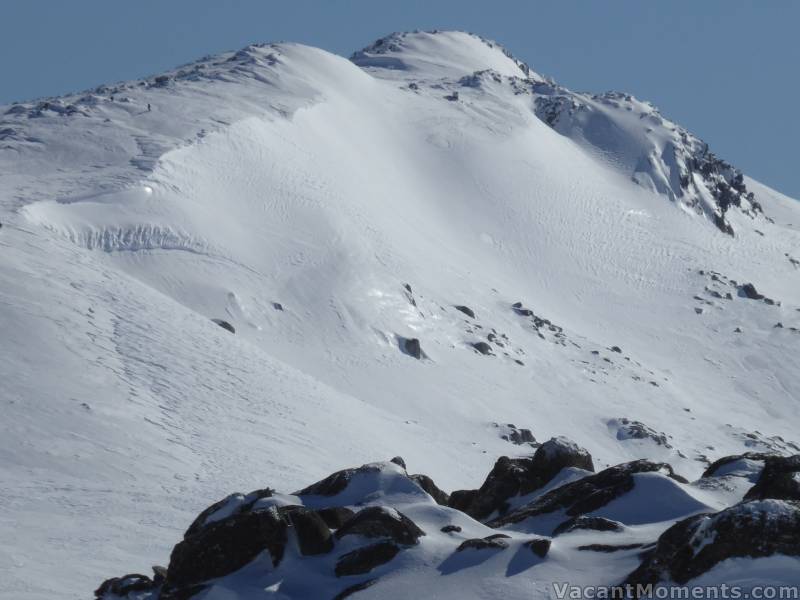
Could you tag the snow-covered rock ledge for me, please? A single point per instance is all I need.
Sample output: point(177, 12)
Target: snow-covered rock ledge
point(377, 530)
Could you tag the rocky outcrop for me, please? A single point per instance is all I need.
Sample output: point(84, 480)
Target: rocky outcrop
point(491, 542)
point(748, 290)
point(224, 325)
point(516, 435)
point(226, 546)
point(230, 505)
point(335, 516)
point(427, 484)
point(312, 532)
point(714, 468)
point(122, 586)
point(466, 310)
point(588, 523)
point(410, 346)
point(363, 560)
point(512, 477)
point(780, 479)
point(482, 347)
point(587, 494)
point(626, 429)
point(539, 546)
point(335, 483)
point(693, 546)
point(253, 530)
point(382, 522)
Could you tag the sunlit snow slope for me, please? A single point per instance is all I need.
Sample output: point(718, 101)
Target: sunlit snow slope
point(330, 209)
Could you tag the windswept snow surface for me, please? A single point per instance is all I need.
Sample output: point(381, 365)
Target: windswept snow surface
point(293, 193)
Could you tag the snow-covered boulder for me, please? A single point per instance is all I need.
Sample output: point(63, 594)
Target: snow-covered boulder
point(513, 477)
point(226, 546)
point(780, 479)
point(382, 522)
point(588, 494)
point(693, 546)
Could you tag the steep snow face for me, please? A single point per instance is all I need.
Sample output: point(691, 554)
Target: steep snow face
point(332, 214)
point(658, 154)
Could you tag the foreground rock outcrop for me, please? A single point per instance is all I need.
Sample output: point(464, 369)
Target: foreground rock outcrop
point(695, 545)
point(346, 532)
point(513, 477)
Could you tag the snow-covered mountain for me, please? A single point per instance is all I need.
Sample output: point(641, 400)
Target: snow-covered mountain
point(414, 248)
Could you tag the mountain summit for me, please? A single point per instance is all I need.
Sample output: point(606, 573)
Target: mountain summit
point(262, 267)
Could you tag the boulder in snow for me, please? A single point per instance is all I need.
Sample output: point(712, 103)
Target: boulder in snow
point(693, 546)
point(382, 522)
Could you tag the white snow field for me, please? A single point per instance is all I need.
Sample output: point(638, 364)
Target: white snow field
point(294, 194)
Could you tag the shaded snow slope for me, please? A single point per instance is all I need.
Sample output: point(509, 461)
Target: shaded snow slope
point(329, 210)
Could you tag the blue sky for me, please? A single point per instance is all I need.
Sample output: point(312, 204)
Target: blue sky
point(725, 69)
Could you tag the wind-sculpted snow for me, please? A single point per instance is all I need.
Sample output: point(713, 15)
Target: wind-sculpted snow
point(262, 266)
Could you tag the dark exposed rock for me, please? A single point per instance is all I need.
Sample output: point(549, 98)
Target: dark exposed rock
point(313, 534)
point(382, 522)
point(490, 542)
point(462, 499)
point(427, 484)
point(749, 291)
point(335, 516)
point(693, 546)
point(616, 349)
point(627, 429)
point(411, 346)
point(363, 560)
point(482, 347)
point(159, 574)
point(277, 306)
point(225, 325)
point(587, 494)
point(590, 523)
point(450, 529)
point(347, 592)
point(523, 312)
point(511, 433)
point(235, 503)
point(226, 546)
point(512, 477)
point(335, 483)
point(466, 310)
point(780, 479)
point(712, 469)
point(398, 460)
point(122, 586)
point(539, 546)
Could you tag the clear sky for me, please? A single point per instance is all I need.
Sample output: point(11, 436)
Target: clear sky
point(728, 70)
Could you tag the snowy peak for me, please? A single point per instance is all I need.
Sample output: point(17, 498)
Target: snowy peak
point(440, 54)
point(630, 135)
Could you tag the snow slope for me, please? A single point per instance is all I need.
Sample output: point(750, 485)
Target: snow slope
point(294, 194)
